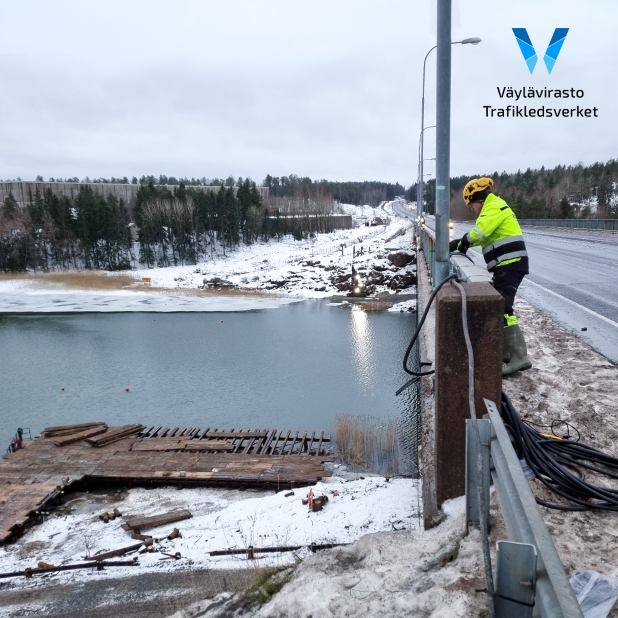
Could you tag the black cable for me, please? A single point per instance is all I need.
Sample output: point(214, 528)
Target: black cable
point(561, 464)
point(418, 375)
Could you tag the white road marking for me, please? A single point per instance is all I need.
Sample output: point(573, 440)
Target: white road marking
point(568, 300)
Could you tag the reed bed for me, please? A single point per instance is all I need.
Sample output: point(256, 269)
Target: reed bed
point(368, 443)
point(97, 280)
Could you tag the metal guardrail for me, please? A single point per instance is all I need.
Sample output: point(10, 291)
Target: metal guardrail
point(579, 224)
point(427, 239)
point(461, 265)
point(530, 577)
point(467, 270)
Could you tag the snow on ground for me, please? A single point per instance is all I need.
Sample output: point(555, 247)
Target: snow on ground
point(275, 273)
point(570, 381)
point(431, 573)
point(304, 269)
point(388, 574)
point(222, 519)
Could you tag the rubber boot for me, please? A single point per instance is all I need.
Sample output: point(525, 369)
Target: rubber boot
point(515, 343)
point(506, 352)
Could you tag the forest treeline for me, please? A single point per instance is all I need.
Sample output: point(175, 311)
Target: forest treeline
point(161, 227)
point(371, 193)
point(562, 192)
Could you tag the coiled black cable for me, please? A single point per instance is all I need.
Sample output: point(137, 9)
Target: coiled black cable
point(418, 375)
point(561, 465)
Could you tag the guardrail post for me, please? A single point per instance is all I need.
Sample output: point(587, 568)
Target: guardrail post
point(485, 325)
point(554, 595)
point(515, 579)
point(473, 515)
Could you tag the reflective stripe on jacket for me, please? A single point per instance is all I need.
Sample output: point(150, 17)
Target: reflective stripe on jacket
point(498, 233)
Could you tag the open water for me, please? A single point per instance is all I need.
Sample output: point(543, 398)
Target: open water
point(295, 367)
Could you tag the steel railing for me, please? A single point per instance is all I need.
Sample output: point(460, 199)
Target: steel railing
point(461, 265)
point(530, 577)
point(427, 241)
point(579, 224)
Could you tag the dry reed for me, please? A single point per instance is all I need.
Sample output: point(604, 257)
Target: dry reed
point(368, 443)
point(375, 305)
point(97, 280)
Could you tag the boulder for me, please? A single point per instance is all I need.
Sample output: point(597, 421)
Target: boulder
point(401, 259)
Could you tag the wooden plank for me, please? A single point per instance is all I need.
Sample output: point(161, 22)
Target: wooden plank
point(267, 442)
point(302, 442)
point(154, 433)
point(258, 444)
point(82, 435)
point(274, 443)
point(143, 434)
point(239, 434)
point(203, 434)
point(293, 443)
point(207, 445)
point(250, 442)
point(311, 443)
point(75, 428)
point(115, 434)
point(281, 452)
point(320, 443)
point(240, 441)
point(156, 520)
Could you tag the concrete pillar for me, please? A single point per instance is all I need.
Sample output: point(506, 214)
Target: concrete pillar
point(485, 325)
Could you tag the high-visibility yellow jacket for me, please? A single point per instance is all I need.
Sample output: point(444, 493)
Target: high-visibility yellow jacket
point(498, 233)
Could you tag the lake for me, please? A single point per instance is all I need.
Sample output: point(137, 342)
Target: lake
point(295, 367)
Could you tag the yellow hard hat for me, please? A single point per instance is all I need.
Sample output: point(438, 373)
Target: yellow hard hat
point(474, 185)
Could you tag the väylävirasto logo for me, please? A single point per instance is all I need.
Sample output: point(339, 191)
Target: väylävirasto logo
point(529, 53)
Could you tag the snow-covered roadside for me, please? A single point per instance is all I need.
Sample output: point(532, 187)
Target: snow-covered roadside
point(222, 519)
point(570, 381)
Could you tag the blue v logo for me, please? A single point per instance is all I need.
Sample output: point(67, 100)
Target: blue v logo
point(553, 49)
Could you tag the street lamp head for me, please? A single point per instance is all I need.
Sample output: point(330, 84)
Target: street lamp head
point(472, 41)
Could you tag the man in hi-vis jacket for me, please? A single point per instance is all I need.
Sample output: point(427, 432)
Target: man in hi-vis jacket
point(499, 235)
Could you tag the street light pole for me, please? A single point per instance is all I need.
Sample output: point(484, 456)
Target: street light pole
point(443, 138)
point(419, 186)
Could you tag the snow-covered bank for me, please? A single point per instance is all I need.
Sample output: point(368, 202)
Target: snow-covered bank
point(271, 273)
point(312, 268)
point(222, 519)
point(384, 575)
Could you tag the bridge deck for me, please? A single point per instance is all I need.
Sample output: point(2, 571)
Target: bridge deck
point(32, 477)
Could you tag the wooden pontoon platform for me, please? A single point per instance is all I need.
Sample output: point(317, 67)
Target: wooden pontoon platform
point(70, 456)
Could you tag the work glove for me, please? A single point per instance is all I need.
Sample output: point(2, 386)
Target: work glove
point(452, 246)
point(460, 244)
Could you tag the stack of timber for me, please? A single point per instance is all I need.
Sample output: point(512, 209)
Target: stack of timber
point(117, 433)
point(64, 430)
point(72, 457)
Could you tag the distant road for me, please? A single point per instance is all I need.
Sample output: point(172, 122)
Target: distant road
point(573, 279)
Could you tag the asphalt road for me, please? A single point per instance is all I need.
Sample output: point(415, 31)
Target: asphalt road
point(573, 279)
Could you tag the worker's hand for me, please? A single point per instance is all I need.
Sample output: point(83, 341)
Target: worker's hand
point(454, 245)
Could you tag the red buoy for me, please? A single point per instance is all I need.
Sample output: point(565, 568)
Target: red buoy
point(127, 389)
point(222, 321)
point(62, 388)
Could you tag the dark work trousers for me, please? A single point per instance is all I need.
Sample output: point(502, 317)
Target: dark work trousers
point(506, 281)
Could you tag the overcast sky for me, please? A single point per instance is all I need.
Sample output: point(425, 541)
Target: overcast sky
point(327, 88)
